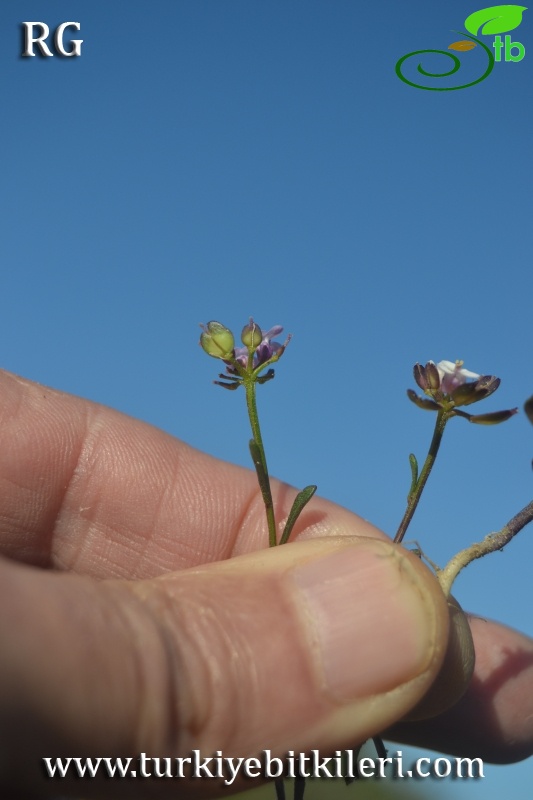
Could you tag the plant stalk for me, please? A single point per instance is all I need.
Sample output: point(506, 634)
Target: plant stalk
point(414, 495)
point(251, 404)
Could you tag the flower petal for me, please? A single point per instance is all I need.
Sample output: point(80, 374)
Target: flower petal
point(453, 374)
point(274, 331)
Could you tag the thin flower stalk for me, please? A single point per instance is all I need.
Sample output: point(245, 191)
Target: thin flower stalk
point(262, 468)
point(418, 484)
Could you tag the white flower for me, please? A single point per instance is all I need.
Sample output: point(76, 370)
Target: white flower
point(452, 374)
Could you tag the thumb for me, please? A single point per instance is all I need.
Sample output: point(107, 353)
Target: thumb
point(318, 644)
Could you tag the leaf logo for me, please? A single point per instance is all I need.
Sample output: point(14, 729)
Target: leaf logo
point(496, 19)
point(463, 45)
point(492, 20)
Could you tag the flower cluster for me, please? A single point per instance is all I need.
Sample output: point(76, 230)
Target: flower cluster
point(246, 362)
point(450, 385)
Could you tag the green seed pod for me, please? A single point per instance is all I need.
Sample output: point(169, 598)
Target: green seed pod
point(217, 340)
point(251, 335)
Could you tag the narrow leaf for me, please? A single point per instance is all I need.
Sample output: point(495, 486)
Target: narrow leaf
point(463, 45)
point(262, 475)
point(413, 463)
point(495, 19)
point(300, 501)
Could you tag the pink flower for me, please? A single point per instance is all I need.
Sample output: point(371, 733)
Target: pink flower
point(449, 385)
point(452, 374)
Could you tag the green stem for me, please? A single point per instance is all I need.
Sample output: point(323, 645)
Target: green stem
point(251, 404)
point(416, 493)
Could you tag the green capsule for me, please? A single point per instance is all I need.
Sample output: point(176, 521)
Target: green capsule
point(217, 340)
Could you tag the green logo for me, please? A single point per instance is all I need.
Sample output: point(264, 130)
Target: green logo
point(487, 22)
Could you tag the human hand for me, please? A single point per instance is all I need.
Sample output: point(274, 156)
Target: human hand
point(141, 613)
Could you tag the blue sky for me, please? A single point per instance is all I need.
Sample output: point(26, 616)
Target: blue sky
point(216, 159)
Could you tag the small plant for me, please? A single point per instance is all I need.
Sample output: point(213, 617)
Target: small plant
point(447, 388)
point(245, 367)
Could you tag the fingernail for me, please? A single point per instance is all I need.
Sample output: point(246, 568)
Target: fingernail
point(371, 625)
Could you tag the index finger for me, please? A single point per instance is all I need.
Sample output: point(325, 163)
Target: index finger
point(86, 488)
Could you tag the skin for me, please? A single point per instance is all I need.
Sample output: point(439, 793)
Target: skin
point(140, 612)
